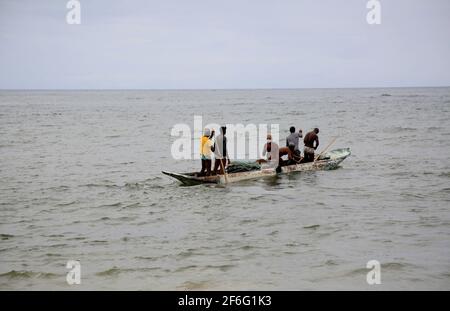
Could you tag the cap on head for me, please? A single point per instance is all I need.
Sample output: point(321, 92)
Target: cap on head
point(206, 132)
point(223, 129)
point(316, 130)
point(292, 129)
point(269, 136)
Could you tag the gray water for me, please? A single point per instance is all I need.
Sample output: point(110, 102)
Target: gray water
point(80, 180)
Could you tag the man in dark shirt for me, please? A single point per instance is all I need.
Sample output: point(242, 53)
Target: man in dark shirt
point(311, 143)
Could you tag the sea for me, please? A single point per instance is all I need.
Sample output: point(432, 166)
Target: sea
point(80, 180)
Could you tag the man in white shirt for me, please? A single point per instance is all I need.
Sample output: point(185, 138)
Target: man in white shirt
point(221, 152)
point(271, 152)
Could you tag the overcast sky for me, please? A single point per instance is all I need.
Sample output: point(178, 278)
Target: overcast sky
point(143, 44)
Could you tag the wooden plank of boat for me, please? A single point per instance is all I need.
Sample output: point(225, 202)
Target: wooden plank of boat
point(328, 161)
point(191, 179)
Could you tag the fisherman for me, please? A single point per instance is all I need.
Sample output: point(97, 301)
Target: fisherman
point(206, 148)
point(294, 138)
point(286, 151)
point(221, 152)
point(310, 147)
point(271, 151)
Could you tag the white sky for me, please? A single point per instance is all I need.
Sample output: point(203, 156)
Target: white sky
point(144, 44)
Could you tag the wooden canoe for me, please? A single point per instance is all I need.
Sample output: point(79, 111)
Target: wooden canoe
point(327, 161)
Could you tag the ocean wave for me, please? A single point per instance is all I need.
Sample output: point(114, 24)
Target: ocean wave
point(117, 204)
point(53, 255)
point(258, 197)
point(223, 268)
point(77, 238)
point(189, 267)
point(54, 236)
point(247, 247)
point(397, 129)
point(153, 178)
point(58, 245)
point(247, 221)
point(155, 187)
point(110, 272)
point(96, 242)
point(389, 266)
point(106, 185)
point(187, 253)
point(131, 205)
point(395, 265)
point(311, 227)
point(411, 95)
point(115, 271)
point(147, 258)
point(138, 185)
point(444, 174)
point(133, 185)
point(331, 262)
point(59, 188)
point(413, 195)
point(189, 285)
point(5, 236)
point(66, 204)
point(24, 274)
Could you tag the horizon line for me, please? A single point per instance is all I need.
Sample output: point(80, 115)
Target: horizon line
point(219, 89)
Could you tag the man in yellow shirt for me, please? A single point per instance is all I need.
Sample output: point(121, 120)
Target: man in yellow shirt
point(206, 150)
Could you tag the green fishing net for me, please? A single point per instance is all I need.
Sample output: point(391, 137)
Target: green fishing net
point(243, 166)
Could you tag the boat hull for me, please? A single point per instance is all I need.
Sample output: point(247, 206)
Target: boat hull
point(329, 161)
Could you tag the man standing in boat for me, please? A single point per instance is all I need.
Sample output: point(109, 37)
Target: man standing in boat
point(311, 143)
point(294, 138)
point(206, 149)
point(221, 152)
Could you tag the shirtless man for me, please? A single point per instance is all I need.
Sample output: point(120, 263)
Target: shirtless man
point(310, 147)
point(289, 151)
point(293, 158)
